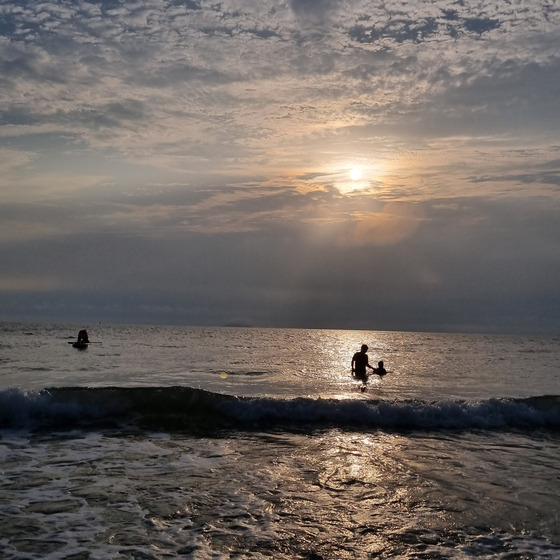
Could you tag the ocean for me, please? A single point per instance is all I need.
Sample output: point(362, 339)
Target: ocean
point(216, 443)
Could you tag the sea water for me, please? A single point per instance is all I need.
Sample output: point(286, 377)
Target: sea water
point(215, 443)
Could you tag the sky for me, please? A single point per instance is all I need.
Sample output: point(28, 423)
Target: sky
point(344, 164)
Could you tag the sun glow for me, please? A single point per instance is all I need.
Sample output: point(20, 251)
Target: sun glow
point(355, 173)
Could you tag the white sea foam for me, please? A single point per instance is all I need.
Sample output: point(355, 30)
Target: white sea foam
point(182, 407)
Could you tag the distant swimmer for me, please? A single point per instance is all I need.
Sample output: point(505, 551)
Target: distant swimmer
point(360, 362)
point(83, 337)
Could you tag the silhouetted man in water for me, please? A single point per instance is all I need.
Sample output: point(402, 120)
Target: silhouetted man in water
point(360, 362)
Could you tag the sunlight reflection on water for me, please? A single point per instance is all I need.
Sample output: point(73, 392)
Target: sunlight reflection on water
point(285, 363)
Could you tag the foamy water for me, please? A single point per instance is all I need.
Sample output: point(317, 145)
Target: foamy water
point(242, 443)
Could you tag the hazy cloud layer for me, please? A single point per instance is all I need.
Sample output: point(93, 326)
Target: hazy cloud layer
point(188, 161)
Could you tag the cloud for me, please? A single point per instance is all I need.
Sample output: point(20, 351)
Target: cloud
point(313, 11)
point(17, 230)
point(188, 161)
point(11, 160)
point(27, 283)
point(461, 251)
point(392, 224)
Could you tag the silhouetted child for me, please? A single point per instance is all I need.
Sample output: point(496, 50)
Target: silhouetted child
point(380, 370)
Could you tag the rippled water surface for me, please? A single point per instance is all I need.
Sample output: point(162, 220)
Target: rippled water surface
point(244, 443)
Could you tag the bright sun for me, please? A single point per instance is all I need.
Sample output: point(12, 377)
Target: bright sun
point(355, 174)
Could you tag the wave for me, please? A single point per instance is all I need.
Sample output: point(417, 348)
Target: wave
point(184, 408)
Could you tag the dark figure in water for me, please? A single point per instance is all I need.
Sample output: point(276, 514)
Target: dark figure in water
point(83, 337)
point(360, 362)
point(380, 370)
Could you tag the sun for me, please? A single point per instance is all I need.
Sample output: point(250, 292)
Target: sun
point(355, 173)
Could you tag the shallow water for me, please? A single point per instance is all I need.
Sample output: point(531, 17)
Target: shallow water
point(331, 494)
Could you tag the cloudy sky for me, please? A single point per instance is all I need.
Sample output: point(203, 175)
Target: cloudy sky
point(301, 163)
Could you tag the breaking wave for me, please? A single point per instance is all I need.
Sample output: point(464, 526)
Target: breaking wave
point(184, 408)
